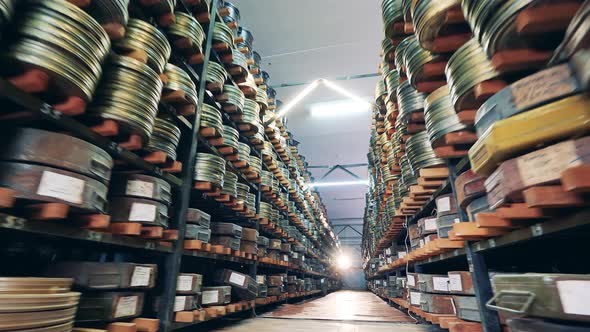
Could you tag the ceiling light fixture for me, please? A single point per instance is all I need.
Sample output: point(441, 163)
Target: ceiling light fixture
point(337, 184)
point(345, 92)
point(299, 97)
point(312, 86)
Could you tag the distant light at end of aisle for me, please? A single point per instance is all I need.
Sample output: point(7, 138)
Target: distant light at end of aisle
point(344, 262)
point(337, 184)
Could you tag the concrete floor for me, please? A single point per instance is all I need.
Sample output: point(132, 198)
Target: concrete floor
point(344, 311)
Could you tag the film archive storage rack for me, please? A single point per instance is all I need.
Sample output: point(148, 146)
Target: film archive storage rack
point(170, 258)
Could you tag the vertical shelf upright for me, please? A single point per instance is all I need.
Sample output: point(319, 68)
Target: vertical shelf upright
point(183, 194)
point(476, 261)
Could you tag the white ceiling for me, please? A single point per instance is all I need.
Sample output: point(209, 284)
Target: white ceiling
point(303, 40)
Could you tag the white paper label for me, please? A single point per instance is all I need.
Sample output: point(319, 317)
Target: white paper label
point(126, 306)
point(411, 280)
point(261, 279)
point(67, 188)
point(184, 283)
point(141, 276)
point(237, 279)
point(295, 255)
point(574, 296)
point(139, 188)
point(285, 258)
point(443, 204)
point(415, 298)
point(455, 283)
point(389, 260)
point(401, 254)
point(440, 284)
point(421, 243)
point(430, 224)
point(179, 303)
point(209, 297)
point(142, 212)
point(543, 166)
point(388, 251)
point(457, 220)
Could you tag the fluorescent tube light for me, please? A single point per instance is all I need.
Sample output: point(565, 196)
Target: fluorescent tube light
point(299, 97)
point(345, 92)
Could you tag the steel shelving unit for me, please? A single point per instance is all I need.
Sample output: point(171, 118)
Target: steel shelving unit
point(173, 258)
point(498, 252)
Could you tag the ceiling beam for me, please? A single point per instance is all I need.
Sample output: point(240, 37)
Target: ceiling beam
point(344, 227)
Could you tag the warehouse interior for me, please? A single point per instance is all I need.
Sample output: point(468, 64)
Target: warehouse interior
point(271, 165)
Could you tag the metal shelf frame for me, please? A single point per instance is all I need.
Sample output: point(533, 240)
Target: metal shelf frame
point(185, 196)
point(475, 252)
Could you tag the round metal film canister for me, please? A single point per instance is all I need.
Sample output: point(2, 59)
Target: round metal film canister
point(186, 26)
point(501, 32)
point(251, 116)
point(47, 148)
point(6, 11)
point(178, 80)
point(400, 54)
point(145, 211)
point(143, 36)
point(392, 82)
point(244, 153)
point(141, 186)
point(242, 193)
point(63, 41)
point(223, 34)
point(267, 178)
point(129, 93)
point(265, 211)
point(420, 153)
point(409, 100)
point(262, 98)
point(247, 37)
point(231, 137)
point(52, 185)
point(28, 285)
point(415, 57)
point(407, 10)
point(392, 13)
point(210, 168)
point(216, 73)
point(251, 202)
point(211, 118)
point(235, 97)
point(255, 164)
point(165, 137)
point(230, 181)
point(109, 11)
point(440, 115)
point(468, 67)
point(429, 19)
point(233, 12)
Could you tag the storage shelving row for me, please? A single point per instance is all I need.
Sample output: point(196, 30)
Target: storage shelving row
point(466, 178)
point(74, 239)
